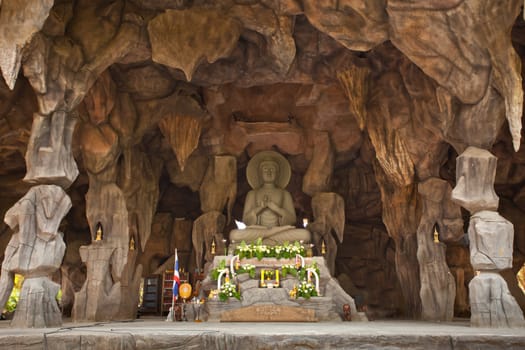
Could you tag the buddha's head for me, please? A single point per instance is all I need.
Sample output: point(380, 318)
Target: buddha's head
point(268, 167)
point(268, 171)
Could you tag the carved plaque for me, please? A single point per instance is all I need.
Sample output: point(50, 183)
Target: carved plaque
point(269, 313)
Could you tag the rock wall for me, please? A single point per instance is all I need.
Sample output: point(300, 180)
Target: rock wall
point(144, 100)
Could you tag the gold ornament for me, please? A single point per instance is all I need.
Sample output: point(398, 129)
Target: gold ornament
point(99, 235)
point(185, 290)
point(323, 248)
point(213, 245)
point(293, 292)
point(436, 235)
point(132, 243)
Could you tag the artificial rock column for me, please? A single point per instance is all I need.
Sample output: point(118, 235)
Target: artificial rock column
point(105, 258)
point(37, 248)
point(218, 190)
point(329, 213)
point(438, 289)
point(35, 251)
point(328, 207)
point(491, 241)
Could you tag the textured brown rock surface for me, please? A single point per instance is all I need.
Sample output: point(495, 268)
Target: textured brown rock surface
point(366, 99)
point(19, 21)
point(35, 251)
point(329, 224)
point(475, 175)
point(438, 289)
point(491, 240)
point(212, 36)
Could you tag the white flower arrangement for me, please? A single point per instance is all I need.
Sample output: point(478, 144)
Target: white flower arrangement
point(259, 250)
point(306, 290)
point(229, 290)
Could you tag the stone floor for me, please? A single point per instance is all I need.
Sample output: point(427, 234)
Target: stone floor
point(155, 333)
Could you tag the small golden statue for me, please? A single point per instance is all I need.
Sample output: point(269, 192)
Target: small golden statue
point(132, 243)
point(323, 247)
point(436, 235)
point(293, 292)
point(99, 235)
point(213, 245)
point(214, 293)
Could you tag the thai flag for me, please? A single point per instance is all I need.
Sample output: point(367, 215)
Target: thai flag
point(176, 278)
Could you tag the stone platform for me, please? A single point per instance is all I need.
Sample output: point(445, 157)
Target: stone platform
point(327, 307)
point(154, 333)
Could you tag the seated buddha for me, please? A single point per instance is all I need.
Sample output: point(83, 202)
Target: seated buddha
point(269, 213)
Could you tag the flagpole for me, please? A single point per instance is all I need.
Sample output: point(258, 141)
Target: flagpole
point(173, 295)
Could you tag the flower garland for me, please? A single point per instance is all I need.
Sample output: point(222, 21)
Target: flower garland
point(247, 268)
point(260, 251)
point(244, 268)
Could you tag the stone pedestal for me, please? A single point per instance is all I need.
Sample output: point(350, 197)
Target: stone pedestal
point(491, 303)
point(99, 298)
point(328, 306)
point(38, 306)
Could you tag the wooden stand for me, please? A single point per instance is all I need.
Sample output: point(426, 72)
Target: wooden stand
point(151, 294)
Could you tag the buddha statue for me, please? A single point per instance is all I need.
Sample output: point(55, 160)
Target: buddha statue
point(269, 213)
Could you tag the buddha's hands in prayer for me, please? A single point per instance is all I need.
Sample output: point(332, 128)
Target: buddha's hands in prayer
point(267, 203)
point(274, 207)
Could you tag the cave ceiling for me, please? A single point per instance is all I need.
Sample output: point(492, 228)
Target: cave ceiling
point(399, 80)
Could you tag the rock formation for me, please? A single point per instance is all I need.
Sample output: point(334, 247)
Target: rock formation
point(438, 288)
point(35, 251)
point(147, 112)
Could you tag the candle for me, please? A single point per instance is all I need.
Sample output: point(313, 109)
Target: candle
point(262, 278)
point(277, 277)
